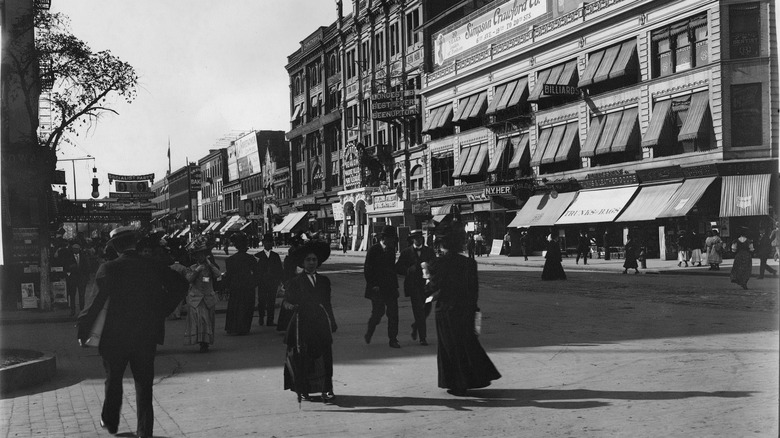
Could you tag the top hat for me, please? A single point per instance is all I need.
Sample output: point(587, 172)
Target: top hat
point(415, 233)
point(389, 231)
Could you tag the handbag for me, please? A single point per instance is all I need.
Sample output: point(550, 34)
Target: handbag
point(97, 327)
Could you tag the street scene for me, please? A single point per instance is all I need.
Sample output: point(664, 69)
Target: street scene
point(389, 218)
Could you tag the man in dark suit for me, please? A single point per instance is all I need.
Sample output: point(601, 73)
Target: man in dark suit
point(140, 293)
point(382, 285)
point(77, 269)
point(409, 265)
point(270, 273)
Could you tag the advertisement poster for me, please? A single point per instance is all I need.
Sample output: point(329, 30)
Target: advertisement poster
point(29, 299)
point(59, 291)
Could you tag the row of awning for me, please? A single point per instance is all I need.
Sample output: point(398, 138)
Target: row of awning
point(290, 221)
point(741, 195)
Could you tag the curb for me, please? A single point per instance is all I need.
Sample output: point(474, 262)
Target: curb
point(28, 374)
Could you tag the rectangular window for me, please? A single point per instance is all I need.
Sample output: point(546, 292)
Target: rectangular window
point(682, 52)
point(395, 45)
point(366, 53)
point(744, 30)
point(351, 64)
point(701, 48)
point(379, 44)
point(412, 23)
point(681, 46)
point(441, 171)
point(746, 115)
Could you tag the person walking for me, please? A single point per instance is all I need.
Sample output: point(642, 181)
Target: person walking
point(77, 271)
point(714, 246)
point(683, 247)
point(471, 244)
point(774, 237)
point(409, 264)
point(270, 274)
point(139, 293)
point(507, 248)
point(344, 242)
point(382, 285)
point(695, 248)
point(479, 244)
point(309, 362)
point(764, 250)
point(553, 268)
point(742, 247)
point(454, 285)
point(524, 244)
point(289, 270)
point(583, 248)
point(201, 298)
point(240, 280)
point(631, 251)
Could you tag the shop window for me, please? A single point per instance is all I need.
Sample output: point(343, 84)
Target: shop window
point(746, 115)
point(681, 46)
point(416, 178)
point(744, 30)
point(441, 171)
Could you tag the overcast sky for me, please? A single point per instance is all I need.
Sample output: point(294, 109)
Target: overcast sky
point(206, 68)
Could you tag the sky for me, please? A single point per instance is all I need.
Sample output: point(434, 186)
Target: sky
point(206, 69)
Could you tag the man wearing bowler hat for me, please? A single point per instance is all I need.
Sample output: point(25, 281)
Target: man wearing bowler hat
point(270, 273)
point(409, 265)
point(382, 285)
point(140, 293)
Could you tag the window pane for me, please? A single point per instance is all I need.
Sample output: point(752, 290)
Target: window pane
point(744, 29)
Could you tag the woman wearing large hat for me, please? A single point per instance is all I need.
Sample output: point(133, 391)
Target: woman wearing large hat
point(309, 363)
point(201, 299)
point(462, 362)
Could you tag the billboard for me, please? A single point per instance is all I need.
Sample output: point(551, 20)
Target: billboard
point(497, 21)
point(247, 155)
point(232, 162)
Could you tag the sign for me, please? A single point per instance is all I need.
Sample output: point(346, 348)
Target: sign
point(560, 90)
point(309, 207)
point(247, 155)
point(394, 104)
point(352, 172)
point(131, 195)
point(483, 28)
point(132, 186)
point(195, 178)
point(498, 190)
point(385, 201)
point(147, 177)
point(29, 299)
point(477, 197)
point(60, 291)
point(24, 245)
point(338, 211)
point(495, 248)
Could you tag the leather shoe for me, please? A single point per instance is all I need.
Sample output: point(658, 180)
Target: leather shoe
point(367, 338)
point(394, 344)
point(111, 430)
point(423, 342)
point(328, 396)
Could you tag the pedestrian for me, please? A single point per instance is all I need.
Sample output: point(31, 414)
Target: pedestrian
point(309, 362)
point(178, 267)
point(631, 251)
point(140, 294)
point(479, 241)
point(583, 248)
point(226, 244)
point(289, 270)
point(742, 247)
point(764, 250)
point(470, 245)
point(77, 273)
point(774, 237)
point(695, 248)
point(240, 280)
point(344, 241)
point(201, 298)
point(524, 244)
point(382, 285)
point(409, 265)
point(682, 248)
point(454, 285)
point(714, 246)
point(553, 268)
point(507, 249)
point(270, 274)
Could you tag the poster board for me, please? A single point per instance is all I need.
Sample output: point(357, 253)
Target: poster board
point(495, 247)
point(60, 292)
point(29, 299)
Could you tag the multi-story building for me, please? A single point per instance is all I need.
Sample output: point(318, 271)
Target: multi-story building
point(252, 151)
point(613, 117)
point(277, 188)
point(183, 187)
point(213, 168)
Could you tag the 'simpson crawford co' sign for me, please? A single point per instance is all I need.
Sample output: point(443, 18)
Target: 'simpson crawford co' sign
point(503, 18)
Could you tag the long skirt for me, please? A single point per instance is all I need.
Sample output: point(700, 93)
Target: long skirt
point(742, 268)
point(462, 362)
point(240, 311)
point(553, 270)
point(200, 324)
point(695, 256)
point(306, 374)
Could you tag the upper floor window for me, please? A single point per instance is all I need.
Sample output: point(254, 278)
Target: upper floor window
point(441, 171)
point(681, 46)
point(351, 64)
point(744, 30)
point(379, 44)
point(412, 23)
point(395, 39)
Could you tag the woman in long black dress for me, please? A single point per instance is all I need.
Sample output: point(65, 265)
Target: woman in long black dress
point(742, 248)
point(553, 269)
point(240, 280)
point(462, 362)
point(631, 251)
point(309, 363)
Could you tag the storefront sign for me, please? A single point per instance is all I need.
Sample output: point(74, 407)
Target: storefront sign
point(560, 90)
point(309, 207)
point(747, 168)
point(475, 197)
point(660, 174)
point(338, 211)
point(617, 180)
point(385, 201)
point(505, 17)
point(394, 104)
point(195, 178)
point(131, 195)
point(352, 172)
point(147, 177)
point(498, 190)
point(29, 299)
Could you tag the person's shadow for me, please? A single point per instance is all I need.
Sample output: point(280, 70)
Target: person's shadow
point(503, 398)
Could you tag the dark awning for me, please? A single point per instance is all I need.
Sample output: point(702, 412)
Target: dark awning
point(522, 151)
point(660, 121)
point(499, 155)
point(541, 145)
point(698, 119)
point(438, 118)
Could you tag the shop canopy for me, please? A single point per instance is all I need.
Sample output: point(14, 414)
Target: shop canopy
point(744, 195)
point(471, 161)
point(648, 202)
point(556, 144)
point(610, 63)
point(686, 197)
point(471, 108)
point(290, 221)
point(602, 205)
point(542, 210)
point(508, 95)
point(229, 224)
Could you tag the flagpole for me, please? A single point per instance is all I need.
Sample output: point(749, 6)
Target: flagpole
point(169, 155)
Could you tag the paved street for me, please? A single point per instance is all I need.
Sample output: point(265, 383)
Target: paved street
point(602, 354)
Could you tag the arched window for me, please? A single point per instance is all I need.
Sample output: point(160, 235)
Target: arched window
point(297, 87)
point(398, 177)
point(416, 178)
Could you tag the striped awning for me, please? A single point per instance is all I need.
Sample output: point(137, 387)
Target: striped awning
point(542, 210)
point(660, 123)
point(648, 202)
point(744, 195)
point(685, 197)
point(562, 74)
point(290, 221)
point(698, 119)
point(521, 151)
point(499, 155)
point(615, 132)
point(508, 95)
point(612, 62)
point(438, 118)
point(472, 161)
point(556, 144)
point(470, 108)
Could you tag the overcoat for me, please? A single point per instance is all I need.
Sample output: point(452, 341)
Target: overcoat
point(379, 271)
